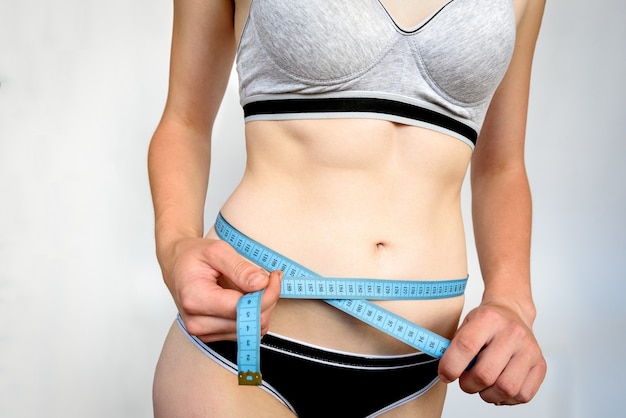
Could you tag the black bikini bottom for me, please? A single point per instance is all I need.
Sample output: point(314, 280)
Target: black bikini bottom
point(316, 382)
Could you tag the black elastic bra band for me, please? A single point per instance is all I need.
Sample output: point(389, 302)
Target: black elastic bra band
point(359, 104)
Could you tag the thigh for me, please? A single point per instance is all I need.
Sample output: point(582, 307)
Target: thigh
point(429, 405)
point(187, 384)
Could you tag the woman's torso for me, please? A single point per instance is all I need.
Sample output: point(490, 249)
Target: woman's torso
point(356, 198)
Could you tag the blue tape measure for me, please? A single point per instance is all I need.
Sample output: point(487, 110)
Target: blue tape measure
point(348, 295)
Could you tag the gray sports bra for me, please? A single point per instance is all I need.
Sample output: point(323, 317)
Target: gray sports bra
point(349, 58)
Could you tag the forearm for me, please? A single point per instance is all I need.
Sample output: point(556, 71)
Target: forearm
point(202, 53)
point(502, 217)
point(178, 166)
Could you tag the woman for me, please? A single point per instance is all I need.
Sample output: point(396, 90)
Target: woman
point(362, 118)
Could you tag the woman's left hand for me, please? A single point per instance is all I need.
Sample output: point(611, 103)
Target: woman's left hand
point(510, 366)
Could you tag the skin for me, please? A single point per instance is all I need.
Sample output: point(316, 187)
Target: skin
point(382, 195)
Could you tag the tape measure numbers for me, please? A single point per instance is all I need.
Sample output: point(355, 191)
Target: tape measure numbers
point(248, 339)
point(349, 295)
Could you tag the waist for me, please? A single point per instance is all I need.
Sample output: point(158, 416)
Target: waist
point(348, 296)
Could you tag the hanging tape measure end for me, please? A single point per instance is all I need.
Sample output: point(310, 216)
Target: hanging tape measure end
point(250, 378)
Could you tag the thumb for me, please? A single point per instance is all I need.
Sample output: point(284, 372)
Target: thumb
point(236, 271)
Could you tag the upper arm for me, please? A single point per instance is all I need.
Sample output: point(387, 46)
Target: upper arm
point(501, 142)
point(202, 54)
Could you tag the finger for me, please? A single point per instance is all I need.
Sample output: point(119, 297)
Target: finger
point(218, 337)
point(270, 298)
point(209, 299)
point(240, 273)
point(464, 347)
point(210, 328)
point(272, 291)
point(533, 381)
point(491, 362)
point(507, 384)
point(508, 392)
point(530, 385)
point(212, 311)
point(519, 381)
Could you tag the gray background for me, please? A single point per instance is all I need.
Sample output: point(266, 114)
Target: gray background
point(83, 311)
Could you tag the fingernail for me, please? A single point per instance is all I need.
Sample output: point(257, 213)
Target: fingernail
point(255, 278)
point(444, 379)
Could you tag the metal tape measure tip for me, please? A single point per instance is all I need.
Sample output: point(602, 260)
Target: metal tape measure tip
point(250, 378)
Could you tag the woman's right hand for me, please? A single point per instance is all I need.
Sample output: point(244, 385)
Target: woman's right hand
point(206, 278)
